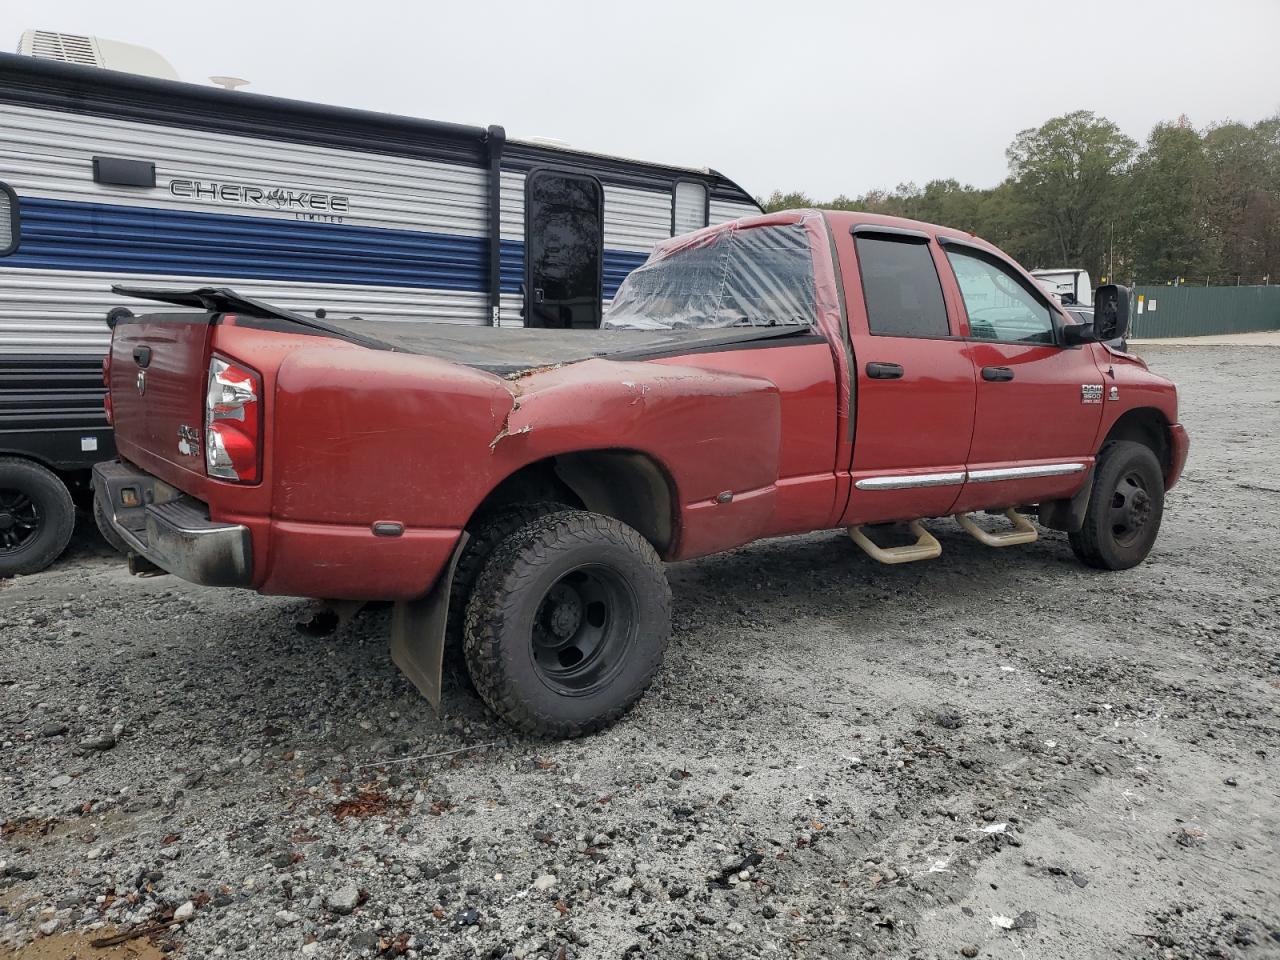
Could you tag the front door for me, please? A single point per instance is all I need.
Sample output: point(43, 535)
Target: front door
point(564, 241)
point(1039, 403)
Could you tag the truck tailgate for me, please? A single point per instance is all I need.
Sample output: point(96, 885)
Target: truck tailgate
point(159, 367)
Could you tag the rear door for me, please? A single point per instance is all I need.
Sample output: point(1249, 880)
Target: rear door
point(914, 384)
point(564, 250)
point(1039, 404)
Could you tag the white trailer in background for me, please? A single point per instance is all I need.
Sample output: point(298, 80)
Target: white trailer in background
point(1068, 285)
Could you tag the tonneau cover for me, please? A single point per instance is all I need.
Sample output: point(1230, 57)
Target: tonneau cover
point(505, 350)
point(500, 350)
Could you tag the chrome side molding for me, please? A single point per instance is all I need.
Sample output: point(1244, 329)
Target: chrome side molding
point(912, 481)
point(917, 480)
point(1022, 473)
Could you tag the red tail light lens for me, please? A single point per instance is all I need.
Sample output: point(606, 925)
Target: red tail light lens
point(233, 422)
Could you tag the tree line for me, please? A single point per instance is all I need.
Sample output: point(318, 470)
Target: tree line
point(1190, 206)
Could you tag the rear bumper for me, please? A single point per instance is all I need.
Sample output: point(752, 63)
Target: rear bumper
point(171, 529)
point(1179, 444)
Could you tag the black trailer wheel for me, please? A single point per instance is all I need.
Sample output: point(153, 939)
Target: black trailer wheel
point(103, 524)
point(567, 624)
point(1125, 508)
point(36, 516)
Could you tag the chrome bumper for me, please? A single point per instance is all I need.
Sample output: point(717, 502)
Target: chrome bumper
point(171, 529)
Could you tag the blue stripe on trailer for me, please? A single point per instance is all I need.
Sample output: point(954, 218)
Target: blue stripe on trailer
point(111, 238)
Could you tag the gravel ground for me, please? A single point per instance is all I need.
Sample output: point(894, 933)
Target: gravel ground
point(997, 754)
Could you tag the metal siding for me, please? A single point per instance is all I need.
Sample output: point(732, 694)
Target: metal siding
point(43, 393)
point(49, 154)
point(617, 264)
point(512, 205)
point(634, 220)
point(46, 310)
point(722, 211)
point(1204, 311)
point(108, 237)
point(512, 310)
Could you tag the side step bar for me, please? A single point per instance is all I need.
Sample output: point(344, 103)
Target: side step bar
point(926, 546)
point(1023, 530)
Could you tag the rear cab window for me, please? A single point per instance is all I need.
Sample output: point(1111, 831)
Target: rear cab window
point(901, 287)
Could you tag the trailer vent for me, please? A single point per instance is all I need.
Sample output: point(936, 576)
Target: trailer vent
point(67, 47)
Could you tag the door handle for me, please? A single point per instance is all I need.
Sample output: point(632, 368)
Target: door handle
point(997, 374)
point(142, 356)
point(884, 371)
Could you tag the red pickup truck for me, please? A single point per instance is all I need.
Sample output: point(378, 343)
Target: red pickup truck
point(515, 491)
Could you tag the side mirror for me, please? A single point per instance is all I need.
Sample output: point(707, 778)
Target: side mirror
point(1111, 312)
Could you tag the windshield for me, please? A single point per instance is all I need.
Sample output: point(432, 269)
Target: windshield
point(752, 277)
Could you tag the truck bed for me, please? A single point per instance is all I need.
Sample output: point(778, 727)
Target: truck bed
point(501, 350)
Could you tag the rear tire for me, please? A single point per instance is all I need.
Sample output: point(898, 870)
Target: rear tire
point(568, 623)
point(36, 516)
point(1125, 507)
point(486, 532)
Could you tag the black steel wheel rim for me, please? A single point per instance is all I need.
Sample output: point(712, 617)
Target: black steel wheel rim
point(20, 520)
point(1131, 508)
point(583, 629)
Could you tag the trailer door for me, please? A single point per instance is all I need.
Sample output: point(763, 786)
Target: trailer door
point(564, 247)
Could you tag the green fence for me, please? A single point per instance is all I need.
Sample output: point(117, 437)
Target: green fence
point(1203, 311)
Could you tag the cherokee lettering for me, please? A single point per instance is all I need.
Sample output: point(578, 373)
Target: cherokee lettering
point(275, 198)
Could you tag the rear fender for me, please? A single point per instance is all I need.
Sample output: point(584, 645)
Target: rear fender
point(716, 435)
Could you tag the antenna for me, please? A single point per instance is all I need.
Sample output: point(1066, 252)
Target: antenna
point(229, 83)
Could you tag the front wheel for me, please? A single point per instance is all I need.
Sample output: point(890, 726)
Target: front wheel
point(567, 624)
point(1125, 508)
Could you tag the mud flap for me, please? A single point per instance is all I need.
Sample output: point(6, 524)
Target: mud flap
point(1067, 515)
point(417, 631)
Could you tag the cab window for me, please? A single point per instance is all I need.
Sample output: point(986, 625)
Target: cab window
point(901, 287)
point(999, 305)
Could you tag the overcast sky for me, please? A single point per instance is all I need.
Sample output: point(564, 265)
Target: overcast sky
point(826, 97)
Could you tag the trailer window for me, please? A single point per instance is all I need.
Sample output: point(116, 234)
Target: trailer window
point(9, 220)
point(756, 277)
point(688, 207)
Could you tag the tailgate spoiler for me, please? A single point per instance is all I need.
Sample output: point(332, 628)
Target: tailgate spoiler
point(226, 300)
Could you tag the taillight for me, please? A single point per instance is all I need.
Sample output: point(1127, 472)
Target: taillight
point(233, 422)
